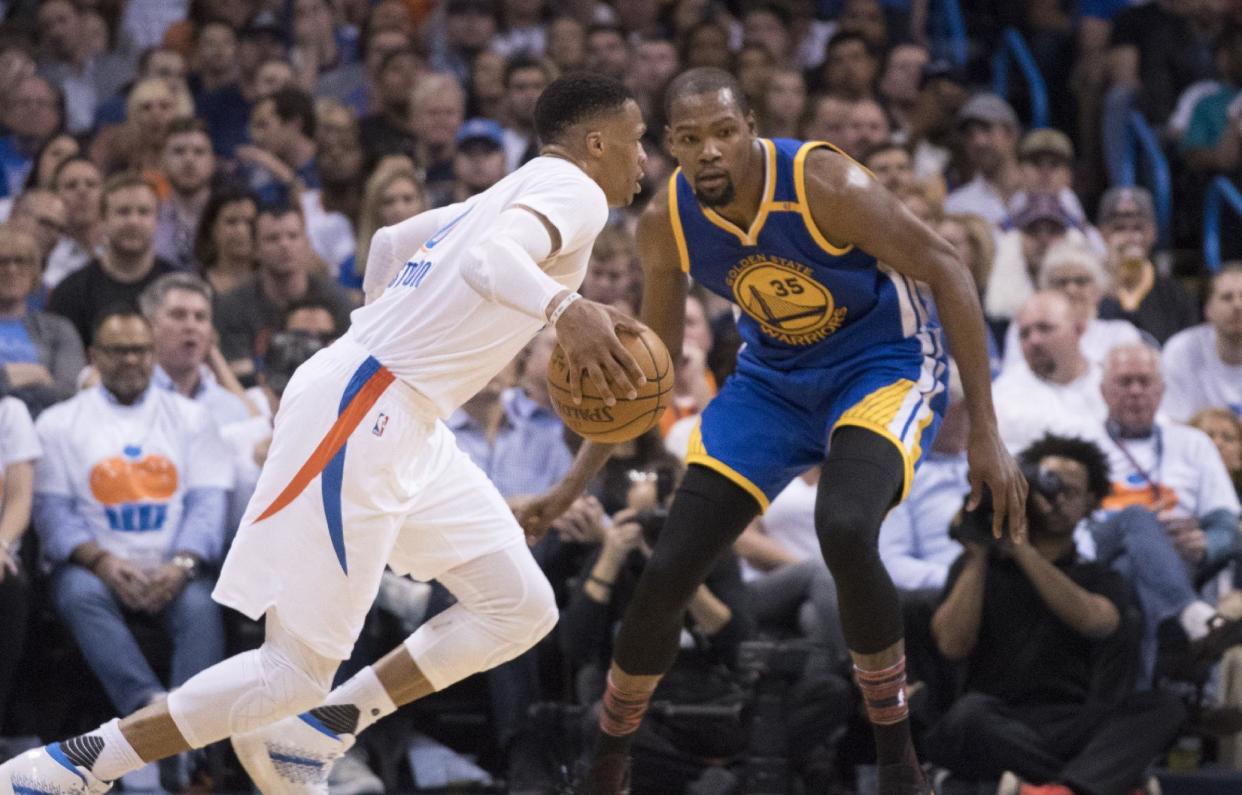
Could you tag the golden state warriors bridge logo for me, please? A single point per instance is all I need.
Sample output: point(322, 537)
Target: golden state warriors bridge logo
point(782, 297)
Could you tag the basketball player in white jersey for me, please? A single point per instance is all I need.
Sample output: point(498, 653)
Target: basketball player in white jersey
point(362, 473)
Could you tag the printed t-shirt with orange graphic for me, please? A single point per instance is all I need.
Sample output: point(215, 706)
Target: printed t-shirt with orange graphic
point(128, 468)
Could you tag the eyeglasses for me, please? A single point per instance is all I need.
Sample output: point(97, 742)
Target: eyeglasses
point(121, 351)
point(16, 262)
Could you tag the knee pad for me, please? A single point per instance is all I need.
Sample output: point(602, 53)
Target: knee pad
point(283, 677)
point(504, 606)
point(526, 613)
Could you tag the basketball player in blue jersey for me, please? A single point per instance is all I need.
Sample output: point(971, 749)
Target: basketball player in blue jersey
point(841, 366)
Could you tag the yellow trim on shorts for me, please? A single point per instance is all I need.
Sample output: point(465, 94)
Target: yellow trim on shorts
point(674, 217)
point(804, 205)
point(906, 460)
point(751, 236)
point(696, 453)
point(876, 413)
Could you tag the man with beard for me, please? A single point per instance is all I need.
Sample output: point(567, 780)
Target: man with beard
point(128, 263)
point(841, 367)
point(189, 164)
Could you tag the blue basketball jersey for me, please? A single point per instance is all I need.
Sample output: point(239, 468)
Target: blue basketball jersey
point(805, 302)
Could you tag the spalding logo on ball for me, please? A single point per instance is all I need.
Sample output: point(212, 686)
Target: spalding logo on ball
point(626, 419)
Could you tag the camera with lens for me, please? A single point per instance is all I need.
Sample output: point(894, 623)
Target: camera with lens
point(976, 526)
point(651, 520)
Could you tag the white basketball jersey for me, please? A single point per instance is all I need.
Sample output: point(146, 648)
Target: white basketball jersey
point(430, 328)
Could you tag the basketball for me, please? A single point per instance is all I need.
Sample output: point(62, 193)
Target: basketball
point(626, 419)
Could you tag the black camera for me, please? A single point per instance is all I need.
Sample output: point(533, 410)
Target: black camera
point(651, 520)
point(976, 526)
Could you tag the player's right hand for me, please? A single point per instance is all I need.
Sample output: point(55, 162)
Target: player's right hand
point(587, 332)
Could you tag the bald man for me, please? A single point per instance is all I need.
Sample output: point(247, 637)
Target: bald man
point(1059, 391)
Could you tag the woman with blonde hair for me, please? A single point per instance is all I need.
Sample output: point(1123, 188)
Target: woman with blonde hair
point(393, 194)
point(1074, 269)
point(1225, 430)
point(971, 235)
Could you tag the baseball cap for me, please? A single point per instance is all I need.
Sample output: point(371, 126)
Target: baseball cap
point(480, 129)
point(1128, 202)
point(1046, 141)
point(987, 108)
point(1042, 207)
point(941, 69)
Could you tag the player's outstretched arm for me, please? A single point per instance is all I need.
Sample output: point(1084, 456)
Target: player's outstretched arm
point(850, 207)
point(663, 309)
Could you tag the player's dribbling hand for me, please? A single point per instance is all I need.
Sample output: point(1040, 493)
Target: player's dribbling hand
point(587, 332)
point(993, 466)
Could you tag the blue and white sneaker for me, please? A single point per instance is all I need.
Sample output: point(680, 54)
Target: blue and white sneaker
point(48, 771)
point(291, 757)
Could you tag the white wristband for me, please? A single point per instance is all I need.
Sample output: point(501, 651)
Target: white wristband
point(561, 307)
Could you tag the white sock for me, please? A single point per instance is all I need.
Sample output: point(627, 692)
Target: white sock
point(105, 752)
point(1194, 619)
point(364, 692)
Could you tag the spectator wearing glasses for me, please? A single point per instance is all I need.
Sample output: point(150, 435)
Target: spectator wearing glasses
point(130, 505)
point(40, 353)
point(42, 213)
point(32, 114)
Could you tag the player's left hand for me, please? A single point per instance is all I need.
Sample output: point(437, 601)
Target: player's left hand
point(536, 514)
point(991, 465)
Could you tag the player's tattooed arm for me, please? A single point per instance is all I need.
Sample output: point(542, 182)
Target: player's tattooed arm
point(851, 208)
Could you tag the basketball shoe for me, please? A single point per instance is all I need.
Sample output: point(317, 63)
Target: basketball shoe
point(48, 771)
point(293, 756)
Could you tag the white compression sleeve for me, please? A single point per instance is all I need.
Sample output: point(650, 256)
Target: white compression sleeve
point(392, 245)
point(504, 267)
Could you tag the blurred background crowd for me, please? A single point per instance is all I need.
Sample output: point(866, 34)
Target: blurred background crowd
point(188, 189)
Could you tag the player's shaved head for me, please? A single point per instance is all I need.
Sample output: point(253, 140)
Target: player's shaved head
point(576, 98)
point(704, 80)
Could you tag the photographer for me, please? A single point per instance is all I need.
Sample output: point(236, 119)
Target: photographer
point(1049, 643)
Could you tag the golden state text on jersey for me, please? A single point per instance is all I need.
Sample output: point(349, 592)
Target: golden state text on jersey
point(805, 302)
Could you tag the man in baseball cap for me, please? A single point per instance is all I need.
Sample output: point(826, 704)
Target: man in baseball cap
point(479, 162)
point(989, 129)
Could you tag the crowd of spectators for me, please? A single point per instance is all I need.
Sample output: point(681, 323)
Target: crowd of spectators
point(188, 190)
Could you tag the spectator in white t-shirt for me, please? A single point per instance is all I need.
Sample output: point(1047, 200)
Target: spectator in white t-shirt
point(19, 448)
point(1203, 364)
point(130, 499)
point(1171, 469)
point(1059, 389)
point(1171, 509)
point(1075, 270)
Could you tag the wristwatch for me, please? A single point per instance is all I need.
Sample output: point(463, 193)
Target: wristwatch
point(187, 563)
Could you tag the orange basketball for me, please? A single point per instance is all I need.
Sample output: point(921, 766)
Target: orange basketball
point(592, 418)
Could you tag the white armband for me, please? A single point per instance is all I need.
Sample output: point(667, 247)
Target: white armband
point(504, 266)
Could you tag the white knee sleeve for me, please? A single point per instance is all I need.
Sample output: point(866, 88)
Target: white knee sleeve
point(282, 677)
point(504, 606)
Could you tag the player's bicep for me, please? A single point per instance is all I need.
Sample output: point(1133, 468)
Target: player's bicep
point(850, 207)
point(554, 234)
point(664, 284)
